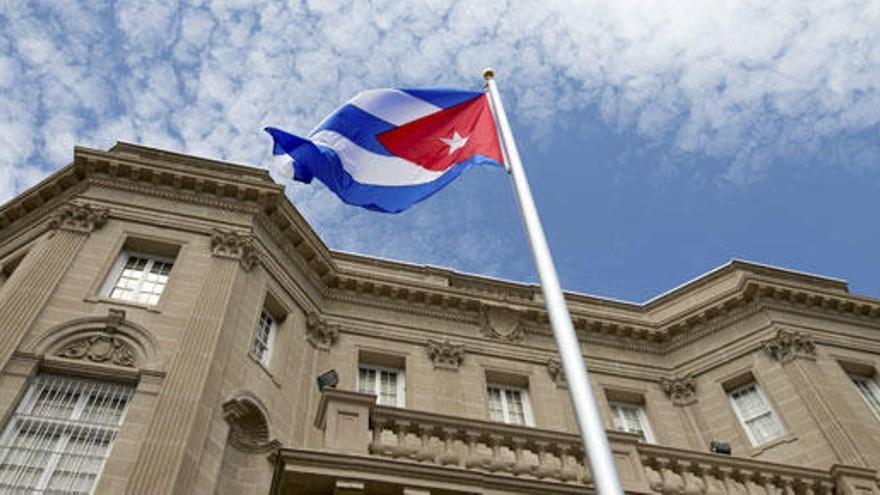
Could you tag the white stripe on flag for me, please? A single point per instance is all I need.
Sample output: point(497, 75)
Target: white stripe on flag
point(393, 106)
point(367, 167)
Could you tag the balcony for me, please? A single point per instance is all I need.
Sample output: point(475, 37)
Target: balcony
point(372, 449)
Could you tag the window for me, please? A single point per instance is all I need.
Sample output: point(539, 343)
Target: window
point(139, 278)
point(264, 338)
point(755, 414)
point(385, 383)
point(631, 418)
point(61, 434)
point(509, 405)
point(869, 390)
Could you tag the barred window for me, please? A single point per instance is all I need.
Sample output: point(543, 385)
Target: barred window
point(139, 278)
point(509, 405)
point(385, 383)
point(754, 412)
point(61, 434)
point(631, 418)
point(264, 338)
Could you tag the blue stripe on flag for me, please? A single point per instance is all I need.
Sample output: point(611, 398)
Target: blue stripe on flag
point(387, 199)
point(443, 97)
point(359, 127)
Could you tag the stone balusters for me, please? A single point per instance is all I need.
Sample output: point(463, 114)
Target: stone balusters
point(476, 445)
point(691, 473)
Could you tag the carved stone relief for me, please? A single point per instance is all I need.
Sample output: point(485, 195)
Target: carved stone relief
point(228, 244)
point(82, 218)
point(100, 349)
point(320, 334)
point(445, 354)
point(682, 390)
point(248, 428)
point(554, 368)
point(502, 324)
point(788, 345)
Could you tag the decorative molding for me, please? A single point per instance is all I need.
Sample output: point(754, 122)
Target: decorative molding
point(554, 368)
point(80, 218)
point(232, 245)
point(682, 390)
point(445, 354)
point(502, 324)
point(182, 195)
point(248, 427)
point(789, 345)
point(100, 349)
point(319, 333)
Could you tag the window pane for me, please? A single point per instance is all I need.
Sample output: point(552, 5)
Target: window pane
point(60, 434)
point(262, 336)
point(367, 381)
point(388, 391)
point(142, 280)
point(869, 390)
point(496, 411)
point(515, 412)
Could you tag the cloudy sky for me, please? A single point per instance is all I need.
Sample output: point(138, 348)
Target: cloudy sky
point(662, 138)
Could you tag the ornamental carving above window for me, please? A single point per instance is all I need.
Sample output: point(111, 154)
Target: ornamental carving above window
point(100, 349)
point(502, 324)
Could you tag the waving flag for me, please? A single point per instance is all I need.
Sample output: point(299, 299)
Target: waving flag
point(387, 149)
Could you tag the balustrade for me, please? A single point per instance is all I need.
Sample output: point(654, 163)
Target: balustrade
point(472, 444)
point(354, 424)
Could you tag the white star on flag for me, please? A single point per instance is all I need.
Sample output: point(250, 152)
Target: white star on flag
point(455, 142)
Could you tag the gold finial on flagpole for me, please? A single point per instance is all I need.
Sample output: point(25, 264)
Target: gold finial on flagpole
point(488, 73)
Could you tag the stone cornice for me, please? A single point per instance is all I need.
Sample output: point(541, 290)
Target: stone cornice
point(666, 322)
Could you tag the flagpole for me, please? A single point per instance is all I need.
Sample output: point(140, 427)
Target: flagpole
point(593, 436)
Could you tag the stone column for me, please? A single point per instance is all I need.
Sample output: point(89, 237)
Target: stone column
point(27, 290)
point(168, 461)
point(796, 353)
point(683, 393)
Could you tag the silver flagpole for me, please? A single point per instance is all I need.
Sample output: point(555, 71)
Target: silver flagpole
point(593, 435)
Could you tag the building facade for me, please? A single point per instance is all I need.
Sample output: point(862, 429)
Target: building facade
point(164, 318)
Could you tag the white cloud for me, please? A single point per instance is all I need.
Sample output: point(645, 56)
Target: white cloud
point(745, 83)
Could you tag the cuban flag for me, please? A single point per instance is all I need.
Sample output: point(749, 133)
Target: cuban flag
point(387, 149)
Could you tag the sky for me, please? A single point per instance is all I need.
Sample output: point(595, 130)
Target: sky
point(661, 138)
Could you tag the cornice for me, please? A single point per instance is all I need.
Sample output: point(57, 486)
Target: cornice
point(430, 291)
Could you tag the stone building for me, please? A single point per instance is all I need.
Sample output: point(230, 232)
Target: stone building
point(163, 320)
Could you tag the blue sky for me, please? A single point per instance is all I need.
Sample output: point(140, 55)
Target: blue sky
point(661, 138)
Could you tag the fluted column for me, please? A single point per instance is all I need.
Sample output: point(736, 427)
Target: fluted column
point(168, 459)
point(682, 392)
point(796, 353)
point(35, 279)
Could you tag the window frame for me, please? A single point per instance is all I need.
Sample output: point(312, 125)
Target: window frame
point(66, 428)
point(873, 386)
point(744, 421)
point(400, 389)
point(528, 416)
point(115, 274)
point(642, 415)
point(269, 344)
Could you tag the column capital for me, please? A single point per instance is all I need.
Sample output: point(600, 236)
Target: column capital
point(682, 390)
point(445, 354)
point(789, 345)
point(82, 218)
point(232, 245)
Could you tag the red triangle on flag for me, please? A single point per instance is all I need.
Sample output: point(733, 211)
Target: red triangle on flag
point(442, 139)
